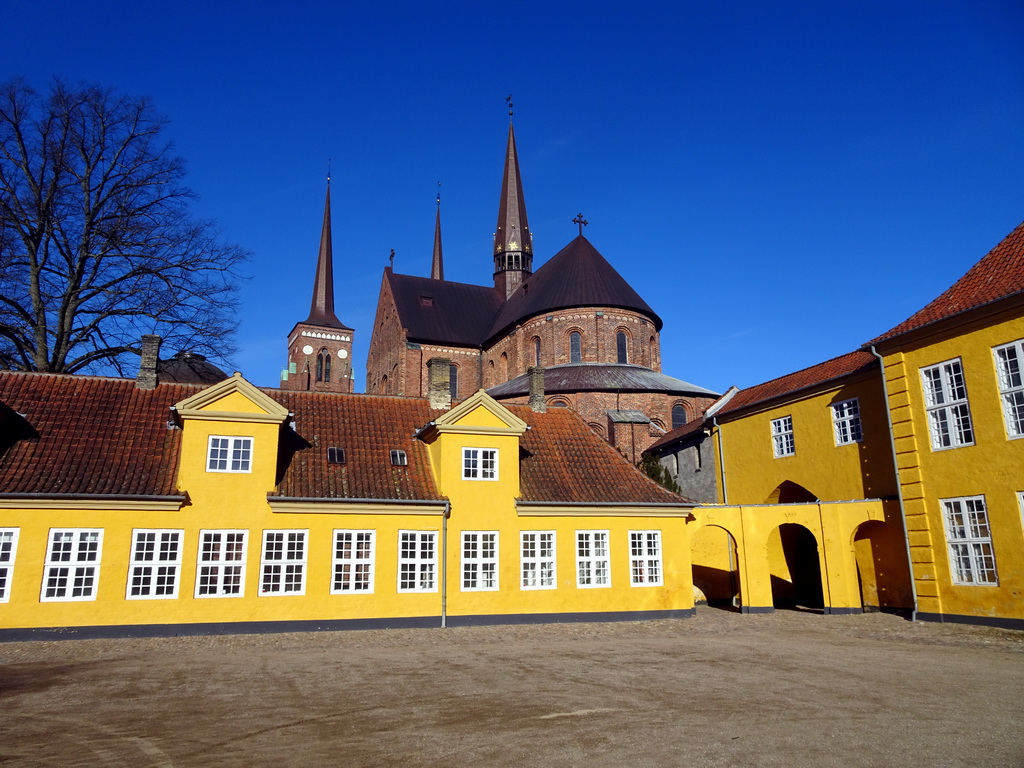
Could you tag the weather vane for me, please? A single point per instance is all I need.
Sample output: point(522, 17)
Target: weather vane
point(581, 221)
point(391, 258)
point(328, 171)
point(509, 100)
point(439, 193)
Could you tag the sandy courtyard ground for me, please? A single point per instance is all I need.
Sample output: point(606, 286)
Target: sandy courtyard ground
point(721, 689)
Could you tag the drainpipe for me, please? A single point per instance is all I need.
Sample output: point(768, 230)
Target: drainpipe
point(899, 484)
point(444, 564)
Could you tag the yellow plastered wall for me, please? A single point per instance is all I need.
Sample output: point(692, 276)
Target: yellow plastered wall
point(992, 467)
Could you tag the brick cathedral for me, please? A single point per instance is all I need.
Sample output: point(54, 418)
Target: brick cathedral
point(571, 334)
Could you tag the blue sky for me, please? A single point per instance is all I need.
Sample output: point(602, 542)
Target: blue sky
point(780, 181)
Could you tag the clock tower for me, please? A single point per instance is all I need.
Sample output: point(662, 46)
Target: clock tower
point(320, 347)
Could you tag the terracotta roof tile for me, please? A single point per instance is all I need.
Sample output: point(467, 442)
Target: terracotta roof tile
point(998, 275)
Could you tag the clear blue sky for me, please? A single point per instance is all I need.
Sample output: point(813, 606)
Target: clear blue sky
point(780, 181)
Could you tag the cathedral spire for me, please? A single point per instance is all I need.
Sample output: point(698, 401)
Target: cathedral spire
point(321, 308)
point(513, 241)
point(437, 267)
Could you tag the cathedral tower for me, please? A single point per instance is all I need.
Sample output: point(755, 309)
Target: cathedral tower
point(513, 241)
point(320, 348)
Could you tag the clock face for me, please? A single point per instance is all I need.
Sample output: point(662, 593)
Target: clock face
point(342, 353)
point(307, 350)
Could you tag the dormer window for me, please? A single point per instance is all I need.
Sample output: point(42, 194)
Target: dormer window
point(399, 458)
point(426, 301)
point(479, 463)
point(229, 454)
point(335, 455)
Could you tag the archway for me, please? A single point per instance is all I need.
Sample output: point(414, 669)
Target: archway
point(795, 568)
point(882, 567)
point(715, 559)
point(789, 492)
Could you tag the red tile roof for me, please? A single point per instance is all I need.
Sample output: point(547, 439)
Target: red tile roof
point(998, 275)
point(822, 373)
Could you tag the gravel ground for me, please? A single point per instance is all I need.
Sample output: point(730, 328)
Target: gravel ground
point(786, 689)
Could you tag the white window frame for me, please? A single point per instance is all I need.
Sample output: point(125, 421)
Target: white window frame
point(354, 561)
point(417, 561)
point(238, 450)
point(538, 560)
point(79, 562)
point(8, 553)
point(783, 441)
point(479, 463)
point(1009, 360)
point(645, 564)
point(846, 424)
point(946, 403)
point(593, 561)
point(479, 561)
point(972, 559)
point(283, 565)
point(225, 565)
point(154, 567)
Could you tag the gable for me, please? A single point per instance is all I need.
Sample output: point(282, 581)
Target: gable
point(480, 414)
point(233, 399)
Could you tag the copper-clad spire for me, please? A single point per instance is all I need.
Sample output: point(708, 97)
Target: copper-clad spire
point(321, 309)
point(437, 268)
point(513, 241)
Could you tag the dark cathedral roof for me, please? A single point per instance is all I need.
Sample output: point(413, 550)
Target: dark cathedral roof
point(189, 368)
point(443, 312)
point(600, 377)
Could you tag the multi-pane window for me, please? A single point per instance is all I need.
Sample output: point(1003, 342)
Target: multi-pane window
point(155, 564)
point(479, 463)
point(8, 549)
point(538, 559)
point(782, 437)
point(283, 570)
point(575, 347)
point(72, 567)
point(221, 568)
point(621, 347)
point(1009, 364)
point(945, 398)
point(229, 454)
point(453, 381)
point(971, 557)
point(417, 561)
point(846, 422)
point(645, 558)
point(479, 561)
point(592, 559)
point(353, 562)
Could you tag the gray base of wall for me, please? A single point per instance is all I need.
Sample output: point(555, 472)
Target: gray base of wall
point(830, 611)
point(756, 609)
point(271, 627)
point(984, 621)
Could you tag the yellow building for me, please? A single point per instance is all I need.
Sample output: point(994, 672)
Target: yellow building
point(953, 375)
point(187, 510)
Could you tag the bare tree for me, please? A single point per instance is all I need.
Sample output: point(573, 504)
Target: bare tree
point(97, 243)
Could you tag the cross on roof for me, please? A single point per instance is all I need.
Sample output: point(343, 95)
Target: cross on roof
point(581, 221)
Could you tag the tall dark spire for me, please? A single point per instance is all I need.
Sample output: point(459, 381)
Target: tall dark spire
point(437, 267)
point(513, 241)
point(321, 309)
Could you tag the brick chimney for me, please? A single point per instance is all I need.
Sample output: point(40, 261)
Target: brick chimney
point(147, 367)
point(536, 401)
point(439, 391)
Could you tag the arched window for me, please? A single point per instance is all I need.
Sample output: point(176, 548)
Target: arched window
point(536, 350)
point(621, 347)
point(453, 382)
point(323, 365)
point(678, 415)
point(575, 347)
point(503, 366)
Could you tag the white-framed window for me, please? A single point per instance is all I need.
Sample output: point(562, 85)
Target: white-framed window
point(645, 558)
point(72, 570)
point(353, 564)
point(221, 568)
point(417, 561)
point(8, 551)
point(1010, 370)
point(155, 567)
point(592, 565)
point(782, 437)
point(945, 399)
point(479, 463)
point(537, 557)
point(479, 561)
point(971, 557)
point(229, 454)
point(846, 422)
point(283, 568)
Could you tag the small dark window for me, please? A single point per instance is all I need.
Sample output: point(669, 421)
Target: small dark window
point(398, 458)
point(678, 415)
point(426, 301)
point(323, 365)
point(536, 351)
point(575, 347)
point(335, 455)
point(453, 382)
point(621, 350)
